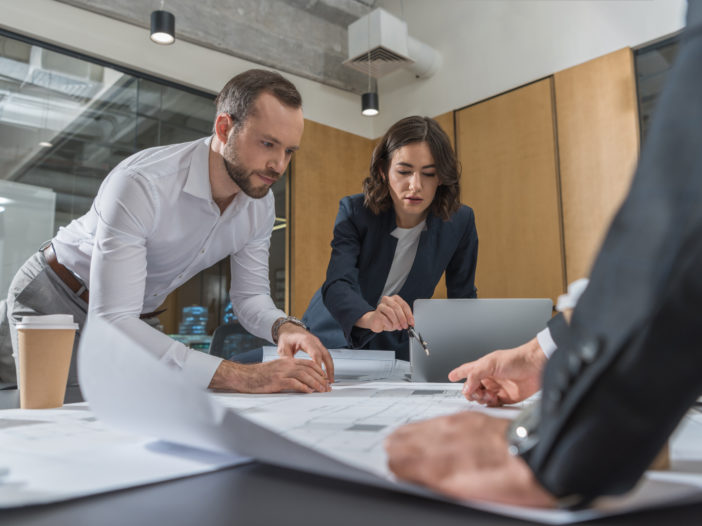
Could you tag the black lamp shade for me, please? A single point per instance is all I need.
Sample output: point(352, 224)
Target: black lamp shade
point(369, 104)
point(162, 27)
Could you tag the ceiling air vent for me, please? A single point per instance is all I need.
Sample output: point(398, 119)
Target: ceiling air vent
point(383, 38)
point(382, 62)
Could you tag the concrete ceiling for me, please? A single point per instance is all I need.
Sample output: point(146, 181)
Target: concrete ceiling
point(307, 38)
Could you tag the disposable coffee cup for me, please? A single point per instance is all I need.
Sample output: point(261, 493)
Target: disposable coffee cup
point(45, 345)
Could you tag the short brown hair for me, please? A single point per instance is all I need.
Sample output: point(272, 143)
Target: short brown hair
point(407, 131)
point(239, 95)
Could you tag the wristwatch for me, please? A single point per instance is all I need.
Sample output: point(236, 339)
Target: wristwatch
point(522, 436)
point(522, 433)
point(280, 321)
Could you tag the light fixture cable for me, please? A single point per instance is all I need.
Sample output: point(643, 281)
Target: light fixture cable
point(369, 100)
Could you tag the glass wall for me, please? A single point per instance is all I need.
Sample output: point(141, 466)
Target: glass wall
point(67, 120)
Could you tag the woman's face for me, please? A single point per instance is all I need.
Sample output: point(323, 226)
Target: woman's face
point(413, 182)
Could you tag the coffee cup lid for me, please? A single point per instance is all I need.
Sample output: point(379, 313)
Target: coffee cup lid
point(49, 321)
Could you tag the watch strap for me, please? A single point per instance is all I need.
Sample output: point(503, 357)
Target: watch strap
point(279, 323)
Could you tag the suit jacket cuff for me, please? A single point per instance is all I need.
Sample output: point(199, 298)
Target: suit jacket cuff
point(558, 327)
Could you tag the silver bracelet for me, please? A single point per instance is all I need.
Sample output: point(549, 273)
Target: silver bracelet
point(280, 321)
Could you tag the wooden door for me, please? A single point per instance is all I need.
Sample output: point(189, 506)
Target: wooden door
point(507, 147)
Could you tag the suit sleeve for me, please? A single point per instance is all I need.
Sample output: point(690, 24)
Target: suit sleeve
point(606, 412)
point(460, 272)
point(628, 367)
point(341, 290)
point(560, 332)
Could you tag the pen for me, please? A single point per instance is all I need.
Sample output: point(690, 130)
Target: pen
point(414, 334)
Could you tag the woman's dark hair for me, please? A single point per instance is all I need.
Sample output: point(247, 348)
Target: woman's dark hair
point(407, 131)
point(239, 95)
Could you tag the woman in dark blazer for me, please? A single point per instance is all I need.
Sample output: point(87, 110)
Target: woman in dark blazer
point(393, 242)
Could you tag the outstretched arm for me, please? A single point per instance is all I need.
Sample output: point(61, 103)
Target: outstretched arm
point(504, 376)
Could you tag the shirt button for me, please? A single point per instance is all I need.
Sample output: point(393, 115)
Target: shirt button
point(202, 251)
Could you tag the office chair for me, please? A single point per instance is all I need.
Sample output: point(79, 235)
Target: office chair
point(232, 342)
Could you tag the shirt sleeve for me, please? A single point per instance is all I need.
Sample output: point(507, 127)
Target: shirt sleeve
point(570, 299)
point(555, 334)
point(548, 346)
point(250, 285)
point(127, 210)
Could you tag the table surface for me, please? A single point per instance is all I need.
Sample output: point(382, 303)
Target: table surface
point(257, 493)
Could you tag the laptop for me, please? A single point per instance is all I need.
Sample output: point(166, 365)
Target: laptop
point(462, 330)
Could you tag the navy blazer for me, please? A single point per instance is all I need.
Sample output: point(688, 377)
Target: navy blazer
point(362, 253)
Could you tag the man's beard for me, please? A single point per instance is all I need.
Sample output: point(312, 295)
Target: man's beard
point(242, 176)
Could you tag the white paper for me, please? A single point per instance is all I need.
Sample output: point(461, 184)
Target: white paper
point(127, 387)
point(57, 454)
point(351, 422)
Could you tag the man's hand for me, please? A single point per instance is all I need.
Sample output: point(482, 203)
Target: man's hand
point(293, 338)
point(392, 314)
point(284, 374)
point(504, 376)
point(464, 456)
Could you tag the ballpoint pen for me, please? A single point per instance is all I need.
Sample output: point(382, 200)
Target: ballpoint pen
point(414, 334)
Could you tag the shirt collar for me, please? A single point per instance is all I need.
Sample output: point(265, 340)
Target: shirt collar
point(197, 182)
point(417, 229)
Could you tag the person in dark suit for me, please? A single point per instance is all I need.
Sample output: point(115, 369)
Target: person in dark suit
point(393, 242)
point(628, 364)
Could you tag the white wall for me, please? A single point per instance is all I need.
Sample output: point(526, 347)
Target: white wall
point(182, 62)
point(490, 46)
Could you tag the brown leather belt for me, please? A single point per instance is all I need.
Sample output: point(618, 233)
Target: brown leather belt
point(72, 282)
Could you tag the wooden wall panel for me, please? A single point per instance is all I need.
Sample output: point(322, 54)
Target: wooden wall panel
point(507, 148)
point(598, 138)
point(445, 120)
point(330, 165)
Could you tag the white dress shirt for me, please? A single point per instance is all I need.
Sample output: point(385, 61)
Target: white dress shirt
point(153, 226)
point(565, 301)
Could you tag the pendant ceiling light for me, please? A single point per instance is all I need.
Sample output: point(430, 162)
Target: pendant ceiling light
point(162, 26)
point(370, 105)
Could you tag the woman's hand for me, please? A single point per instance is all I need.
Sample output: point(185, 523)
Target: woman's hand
point(392, 314)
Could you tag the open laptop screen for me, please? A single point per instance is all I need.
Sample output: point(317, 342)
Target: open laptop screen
point(463, 330)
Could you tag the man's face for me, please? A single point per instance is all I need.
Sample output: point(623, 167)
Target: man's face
point(258, 153)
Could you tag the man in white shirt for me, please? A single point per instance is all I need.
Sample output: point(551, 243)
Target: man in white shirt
point(166, 213)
